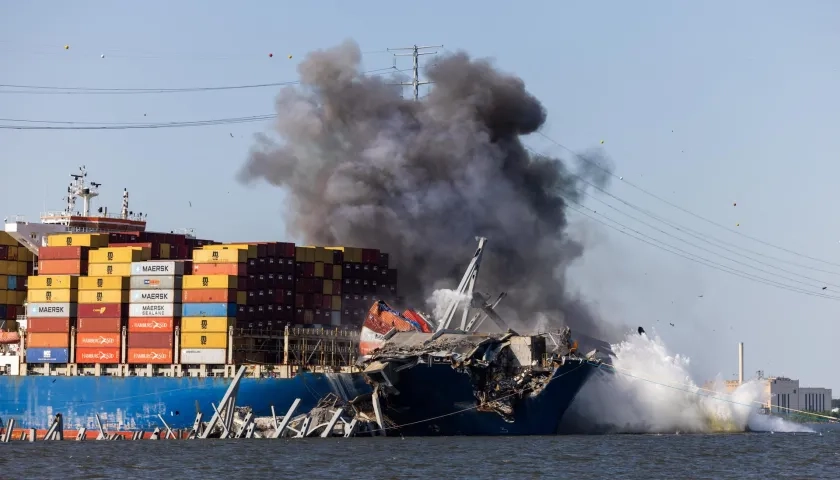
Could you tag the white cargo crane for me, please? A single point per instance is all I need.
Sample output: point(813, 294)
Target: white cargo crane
point(478, 301)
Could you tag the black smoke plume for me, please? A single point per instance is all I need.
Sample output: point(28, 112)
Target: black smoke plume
point(365, 167)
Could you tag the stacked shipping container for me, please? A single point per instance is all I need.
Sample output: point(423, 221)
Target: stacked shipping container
point(103, 292)
point(366, 278)
point(51, 313)
point(155, 310)
point(318, 285)
point(15, 265)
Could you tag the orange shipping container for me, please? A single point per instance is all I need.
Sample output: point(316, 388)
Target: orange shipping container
point(238, 269)
point(62, 267)
point(98, 325)
point(48, 340)
point(151, 325)
point(150, 355)
point(98, 355)
point(214, 295)
point(48, 325)
point(103, 339)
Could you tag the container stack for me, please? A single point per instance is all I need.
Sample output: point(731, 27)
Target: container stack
point(210, 299)
point(361, 282)
point(102, 296)
point(15, 265)
point(51, 313)
point(155, 310)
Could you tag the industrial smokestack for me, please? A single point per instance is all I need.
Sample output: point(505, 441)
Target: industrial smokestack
point(741, 363)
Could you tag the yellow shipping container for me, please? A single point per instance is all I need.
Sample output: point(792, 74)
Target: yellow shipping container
point(104, 283)
point(319, 270)
point(17, 298)
point(103, 296)
point(351, 254)
point(250, 249)
point(4, 280)
point(336, 302)
point(165, 251)
point(95, 240)
point(321, 254)
point(337, 271)
point(6, 239)
point(210, 281)
point(109, 270)
point(53, 282)
point(4, 295)
point(120, 255)
point(20, 268)
point(206, 324)
point(327, 290)
point(241, 298)
point(305, 254)
point(7, 268)
point(220, 256)
point(24, 255)
point(204, 340)
point(12, 254)
point(52, 296)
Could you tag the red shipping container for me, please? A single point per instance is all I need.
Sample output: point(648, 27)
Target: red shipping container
point(4, 252)
point(326, 302)
point(149, 355)
point(98, 355)
point(62, 267)
point(48, 325)
point(150, 340)
point(11, 311)
point(98, 340)
point(238, 269)
point(151, 324)
point(102, 310)
point(63, 253)
point(336, 287)
point(98, 324)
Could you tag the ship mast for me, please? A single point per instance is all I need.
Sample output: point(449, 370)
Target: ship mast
point(79, 189)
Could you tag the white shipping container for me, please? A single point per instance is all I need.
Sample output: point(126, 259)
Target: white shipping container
point(154, 310)
point(155, 296)
point(51, 310)
point(210, 356)
point(335, 318)
point(164, 267)
point(166, 282)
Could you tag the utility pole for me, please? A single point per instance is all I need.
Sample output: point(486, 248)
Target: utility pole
point(415, 53)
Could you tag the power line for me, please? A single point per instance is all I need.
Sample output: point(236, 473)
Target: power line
point(132, 126)
point(712, 222)
point(53, 90)
point(688, 255)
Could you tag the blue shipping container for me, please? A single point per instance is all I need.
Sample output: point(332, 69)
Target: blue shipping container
point(47, 355)
point(2, 312)
point(11, 283)
point(209, 310)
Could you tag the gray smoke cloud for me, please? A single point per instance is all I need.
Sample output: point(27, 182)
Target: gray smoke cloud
point(420, 180)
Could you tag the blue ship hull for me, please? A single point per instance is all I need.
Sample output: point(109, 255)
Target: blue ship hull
point(430, 394)
point(133, 403)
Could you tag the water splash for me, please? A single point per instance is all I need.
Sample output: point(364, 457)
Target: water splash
point(440, 300)
point(652, 392)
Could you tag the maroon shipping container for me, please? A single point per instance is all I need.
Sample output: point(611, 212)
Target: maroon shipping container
point(63, 253)
point(103, 310)
point(98, 325)
point(150, 340)
point(48, 325)
point(4, 252)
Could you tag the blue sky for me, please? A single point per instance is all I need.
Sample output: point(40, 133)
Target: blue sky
point(702, 103)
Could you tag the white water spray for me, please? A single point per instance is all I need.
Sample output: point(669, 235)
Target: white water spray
point(652, 392)
point(442, 298)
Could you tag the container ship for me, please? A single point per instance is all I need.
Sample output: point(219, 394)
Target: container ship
point(103, 321)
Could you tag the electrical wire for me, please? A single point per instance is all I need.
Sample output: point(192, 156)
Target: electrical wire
point(53, 90)
point(700, 217)
point(688, 255)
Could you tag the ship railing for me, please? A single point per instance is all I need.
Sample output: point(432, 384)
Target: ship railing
point(62, 214)
point(338, 333)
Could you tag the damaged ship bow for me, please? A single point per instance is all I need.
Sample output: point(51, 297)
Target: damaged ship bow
point(437, 380)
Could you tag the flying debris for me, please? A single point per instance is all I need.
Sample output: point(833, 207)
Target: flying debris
point(67, 47)
point(602, 142)
point(290, 56)
point(734, 204)
point(824, 288)
point(621, 178)
point(737, 224)
point(102, 56)
point(270, 55)
point(231, 135)
point(671, 324)
point(641, 331)
point(699, 296)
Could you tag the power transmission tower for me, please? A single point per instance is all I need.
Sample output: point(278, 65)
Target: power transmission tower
point(415, 53)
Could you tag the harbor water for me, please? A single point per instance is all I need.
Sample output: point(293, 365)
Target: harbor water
point(735, 456)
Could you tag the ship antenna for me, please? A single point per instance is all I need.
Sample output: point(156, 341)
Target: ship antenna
point(124, 212)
